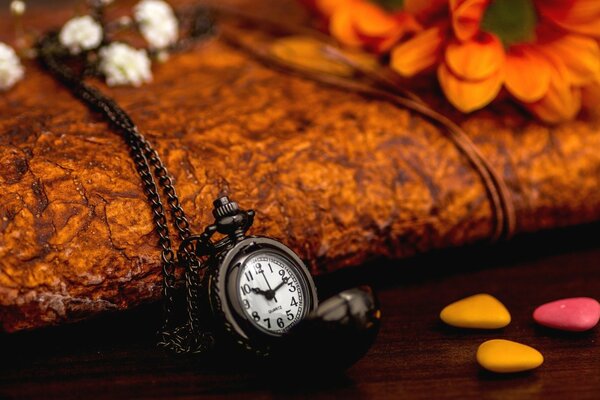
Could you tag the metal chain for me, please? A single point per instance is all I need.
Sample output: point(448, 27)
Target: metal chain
point(187, 337)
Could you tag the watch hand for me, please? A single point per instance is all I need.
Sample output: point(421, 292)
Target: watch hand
point(270, 294)
point(260, 291)
point(283, 282)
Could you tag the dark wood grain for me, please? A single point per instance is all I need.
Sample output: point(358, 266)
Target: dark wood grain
point(415, 356)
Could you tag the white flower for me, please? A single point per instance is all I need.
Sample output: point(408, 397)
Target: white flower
point(121, 64)
point(17, 7)
point(81, 33)
point(11, 70)
point(157, 22)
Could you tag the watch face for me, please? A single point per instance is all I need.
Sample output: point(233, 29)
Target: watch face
point(272, 291)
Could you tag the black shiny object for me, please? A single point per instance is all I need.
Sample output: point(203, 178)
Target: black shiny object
point(337, 334)
point(229, 219)
point(221, 260)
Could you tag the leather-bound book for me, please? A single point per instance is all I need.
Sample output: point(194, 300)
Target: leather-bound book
point(339, 176)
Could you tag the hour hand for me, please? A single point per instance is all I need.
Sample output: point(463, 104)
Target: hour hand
point(260, 291)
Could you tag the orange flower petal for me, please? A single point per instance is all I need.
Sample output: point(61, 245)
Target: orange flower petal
point(477, 58)
point(327, 7)
point(527, 74)
point(558, 106)
point(562, 102)
point(371, 20)
point(382, 45)
point(309, 53)
point(591, 27)
point(466, 17)
point(418, 53)
point(341, 27)
point(581, 56)
point(579, 16)
point(367, 25)
point(466, 95)
point(407, 22)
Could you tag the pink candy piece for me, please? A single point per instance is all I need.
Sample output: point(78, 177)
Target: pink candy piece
point(575, 314)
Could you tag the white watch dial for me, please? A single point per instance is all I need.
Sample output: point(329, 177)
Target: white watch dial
point(272, 292)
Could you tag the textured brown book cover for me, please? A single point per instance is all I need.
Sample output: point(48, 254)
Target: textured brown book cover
point(339, 177)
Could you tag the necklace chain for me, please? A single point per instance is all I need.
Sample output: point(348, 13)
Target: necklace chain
point(186, 337)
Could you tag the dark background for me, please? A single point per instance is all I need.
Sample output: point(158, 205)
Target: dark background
point(415, 355)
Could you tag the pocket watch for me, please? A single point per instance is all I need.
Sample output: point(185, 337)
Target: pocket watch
point(256, 289)
point(258, 295)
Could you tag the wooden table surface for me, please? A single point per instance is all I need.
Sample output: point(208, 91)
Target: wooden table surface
point(415, 356)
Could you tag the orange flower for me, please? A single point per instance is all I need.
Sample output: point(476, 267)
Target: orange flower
point(360, 23)
point(577, 16)
point(544, 52)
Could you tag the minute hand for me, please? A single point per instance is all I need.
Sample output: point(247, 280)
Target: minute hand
point(269, 294)
point(283, 282)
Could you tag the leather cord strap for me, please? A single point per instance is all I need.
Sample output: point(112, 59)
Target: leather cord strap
point(383, 87)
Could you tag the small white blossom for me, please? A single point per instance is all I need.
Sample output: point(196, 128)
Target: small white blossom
point(121, 64)
point(17, 7)
point(11, 70)
point(81, 33)
point(157, 23)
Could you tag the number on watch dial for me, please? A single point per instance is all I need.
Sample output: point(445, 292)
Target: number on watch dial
point(271, 292)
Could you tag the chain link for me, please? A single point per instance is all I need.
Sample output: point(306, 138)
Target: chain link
point(187, 337)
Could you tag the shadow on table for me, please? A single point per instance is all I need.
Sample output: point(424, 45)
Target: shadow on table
point(120, 347)
point(436, 265)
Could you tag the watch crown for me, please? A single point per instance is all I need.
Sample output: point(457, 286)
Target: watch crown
point(223, 207)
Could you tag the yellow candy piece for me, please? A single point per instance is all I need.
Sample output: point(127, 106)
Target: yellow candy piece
point(504, 356)
point(479, 311)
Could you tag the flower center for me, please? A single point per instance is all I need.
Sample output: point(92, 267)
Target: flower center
point(513, 21)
